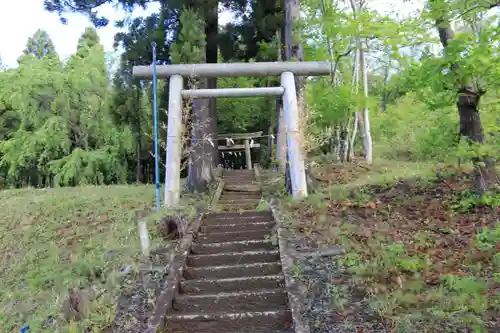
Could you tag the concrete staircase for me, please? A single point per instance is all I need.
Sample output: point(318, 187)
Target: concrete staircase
point(233, 281)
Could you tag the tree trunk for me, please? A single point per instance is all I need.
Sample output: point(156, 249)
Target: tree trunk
point(354, 89)
point(211, 30)
point(485, 176)
point(200, 161)
point(294, 50)
point(385, 93)
point(352, 141)
point(337, 151)
point(345, 140)
point(367, 137)
point(281, 144)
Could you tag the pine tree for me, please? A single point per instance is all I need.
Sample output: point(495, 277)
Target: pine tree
point(40, 45)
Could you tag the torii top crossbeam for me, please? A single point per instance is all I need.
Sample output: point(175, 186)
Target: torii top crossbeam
point(239, 136)
point(305, 68)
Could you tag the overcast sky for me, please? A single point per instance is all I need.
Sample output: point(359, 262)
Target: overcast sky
point(21, 18)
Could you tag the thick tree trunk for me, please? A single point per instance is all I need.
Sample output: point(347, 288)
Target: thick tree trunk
point(485, 176)
point(211, 30)
point(200, 162)
point(294, 50)
point(200, 158)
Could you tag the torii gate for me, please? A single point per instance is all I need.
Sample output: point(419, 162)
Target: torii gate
point(247, 144)
point(287, 71)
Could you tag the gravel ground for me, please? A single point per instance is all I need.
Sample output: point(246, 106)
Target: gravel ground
point(139, 294)
point(330, 305)
point(136, 302)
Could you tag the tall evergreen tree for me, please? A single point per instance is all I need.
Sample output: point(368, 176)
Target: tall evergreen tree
point(40, 45)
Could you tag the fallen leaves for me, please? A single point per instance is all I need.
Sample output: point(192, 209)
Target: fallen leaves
point(438, 242)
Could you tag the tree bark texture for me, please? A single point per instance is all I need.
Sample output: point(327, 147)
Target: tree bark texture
point(211, 31)
point(200, 158)
point(485, 176)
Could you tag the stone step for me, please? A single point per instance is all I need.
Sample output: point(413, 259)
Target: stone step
point(254, 300)
point(238, 186)
point(235, 246)
point(237, 227)
point(242, 197)
point(217, 237)
point(234, 182)
point(223, 322)
point(239, 174)
point(233, 258)
point(248, 176)
point(228, 271)
point(237, 207)
point(238, 171)
point(236, 217)
point(237, 200)
point(232, 284)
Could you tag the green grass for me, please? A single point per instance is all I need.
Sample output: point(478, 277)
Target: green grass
point(55, 239)
point(419, 246)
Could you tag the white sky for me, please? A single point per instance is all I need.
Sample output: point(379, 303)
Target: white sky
point(20, 19)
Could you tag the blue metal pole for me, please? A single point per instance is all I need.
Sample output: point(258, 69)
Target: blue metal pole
point(155, 113)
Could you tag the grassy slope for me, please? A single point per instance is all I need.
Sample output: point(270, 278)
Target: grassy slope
point(416, 244)
point(54, 239)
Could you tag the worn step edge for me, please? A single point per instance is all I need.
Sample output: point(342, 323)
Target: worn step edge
point(227, 200)
point(214, 237)
point(169, 290)
point(238, 226)
point(233, 257)
point(241, 194)
point(295, 289)
point(249, 215)
point(248, 300)
point(237, 200)
point(233, 284)
point(225, 271)
point(235, 246)
point(237, 220)
point(248, 206)
point(228, 322)
point(242, 198)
